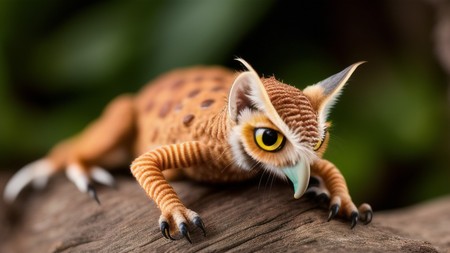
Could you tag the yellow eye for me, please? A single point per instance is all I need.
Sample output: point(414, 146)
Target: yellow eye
point(268, 139)
point(318, 145)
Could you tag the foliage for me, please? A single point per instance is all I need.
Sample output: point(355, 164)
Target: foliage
point(61, 62)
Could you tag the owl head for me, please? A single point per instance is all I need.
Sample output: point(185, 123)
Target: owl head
point(278, 127)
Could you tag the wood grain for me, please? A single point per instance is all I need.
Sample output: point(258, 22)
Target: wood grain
point(239, 218)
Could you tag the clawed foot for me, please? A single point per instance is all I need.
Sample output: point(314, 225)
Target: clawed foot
point(37, 173)
point(180, 219)
point(364, 213)
point(83, 179)
point(339, 205)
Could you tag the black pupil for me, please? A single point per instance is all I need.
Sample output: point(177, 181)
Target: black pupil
point(269, 137)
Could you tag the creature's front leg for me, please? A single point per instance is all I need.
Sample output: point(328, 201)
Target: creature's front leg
point(340, 200)
point(148, 171)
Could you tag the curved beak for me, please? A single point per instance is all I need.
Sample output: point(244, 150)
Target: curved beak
point(299, 176)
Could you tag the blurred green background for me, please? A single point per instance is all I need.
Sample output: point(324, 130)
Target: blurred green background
point(62, 61)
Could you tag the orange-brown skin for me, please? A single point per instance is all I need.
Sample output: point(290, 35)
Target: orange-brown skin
point(190, 105)
point(178, 125)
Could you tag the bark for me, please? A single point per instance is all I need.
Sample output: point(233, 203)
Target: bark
point(238, 218)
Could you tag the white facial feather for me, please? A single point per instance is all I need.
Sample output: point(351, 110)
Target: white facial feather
point(249, 101)
point(250, 84)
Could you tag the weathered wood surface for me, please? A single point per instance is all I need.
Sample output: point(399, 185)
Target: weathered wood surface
point(428, 221)
point(242, 218)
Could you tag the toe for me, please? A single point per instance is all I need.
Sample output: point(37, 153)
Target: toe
point(323, 198)
point(366, 213)
point(198, 222)
point(311, 192)
point(334, 209)
point(184, 231)
point(179, 219)
point(314, 181)
point(78, 176)
point(164, 226)
point(354, 219)
point(102, 176)
point(319, 194)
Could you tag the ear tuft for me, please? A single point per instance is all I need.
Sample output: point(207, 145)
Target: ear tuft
point(247, 91)
point(240, 93)
point(324, 94)
point(246, 65)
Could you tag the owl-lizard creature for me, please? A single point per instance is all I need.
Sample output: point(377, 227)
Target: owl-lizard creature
point(209, 124)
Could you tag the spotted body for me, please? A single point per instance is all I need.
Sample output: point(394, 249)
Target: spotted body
point(212, 125)
point(190, 105)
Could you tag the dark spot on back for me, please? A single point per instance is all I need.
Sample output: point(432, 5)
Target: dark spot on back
point(199, 78)
point(193, 93)
point(165, 109)
point(177, 84)
point(217, 88)
point(149, 106)
point(206, 103)
point(188, 119)
point(218, 79)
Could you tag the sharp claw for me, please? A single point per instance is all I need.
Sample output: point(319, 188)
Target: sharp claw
point(334, 209)
point(78, 176)
point(368, 217)
point(34, 172)
point(102, 176)
point(165, 230)
point(354, 219)
point(93, 193)
point(40, 182)
point(367, 213)
point(199, 223)
point(184, 231)
point(164, 227)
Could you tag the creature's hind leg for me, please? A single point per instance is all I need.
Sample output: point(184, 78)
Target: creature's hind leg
point(104, 142)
